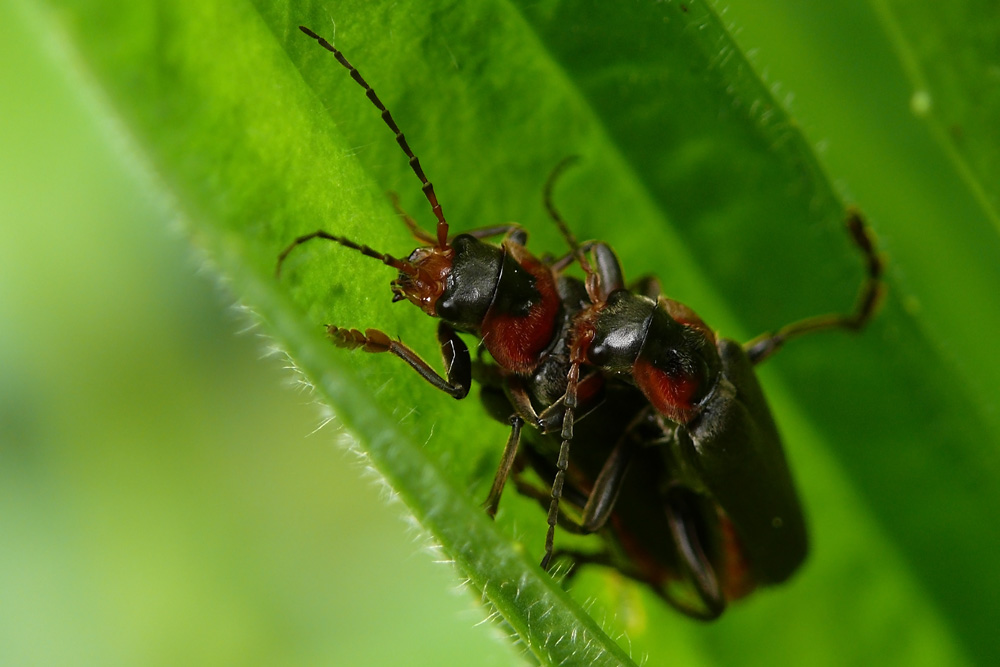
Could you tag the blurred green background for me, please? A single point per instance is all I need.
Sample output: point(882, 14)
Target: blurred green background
point(163, 498)
point(162, 494)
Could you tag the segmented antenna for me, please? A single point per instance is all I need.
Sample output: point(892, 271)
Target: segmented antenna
point(574, 245)
point(428, 188)
point(398, 264)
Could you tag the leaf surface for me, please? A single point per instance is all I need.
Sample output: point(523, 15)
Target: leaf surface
point(693, 169)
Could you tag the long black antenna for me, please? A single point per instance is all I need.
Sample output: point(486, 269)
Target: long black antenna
point(399, 264)
point(428, 188)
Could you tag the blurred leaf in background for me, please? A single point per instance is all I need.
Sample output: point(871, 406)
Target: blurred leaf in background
point(163, 499)
point(159, 504)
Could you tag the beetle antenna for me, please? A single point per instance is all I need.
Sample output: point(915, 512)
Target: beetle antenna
point(593, 279)
point(869, 298)
point(398, 264)
point(550, 184)
point(428, 188)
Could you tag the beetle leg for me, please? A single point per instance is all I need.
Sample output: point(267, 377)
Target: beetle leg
point(562, 263)
point(498, 404)
point(456, 358)
point(453, 350)
point(511, 230)
point(610, 276)
point(870, 296)
point(420, 234)
point(578, 558)
point(683, 516)
point(521, 401)
point(600, 502)
point(546, 421)
point(550, 419)
point(506, 463)
point(517, 396)
point(589, 396)
point(603, 496)
point(524, 411)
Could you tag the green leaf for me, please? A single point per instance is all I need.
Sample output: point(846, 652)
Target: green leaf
point(950, 57)
point(693, 169)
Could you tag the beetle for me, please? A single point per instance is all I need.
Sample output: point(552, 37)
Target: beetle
point(682, 468)
point(518, 306)
point(501, 293)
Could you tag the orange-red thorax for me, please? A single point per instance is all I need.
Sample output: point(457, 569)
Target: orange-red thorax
point(517, 331)
point(662, 347)
point(500, 293)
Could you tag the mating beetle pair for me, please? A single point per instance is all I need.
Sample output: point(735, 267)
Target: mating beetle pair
point(683, 472)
